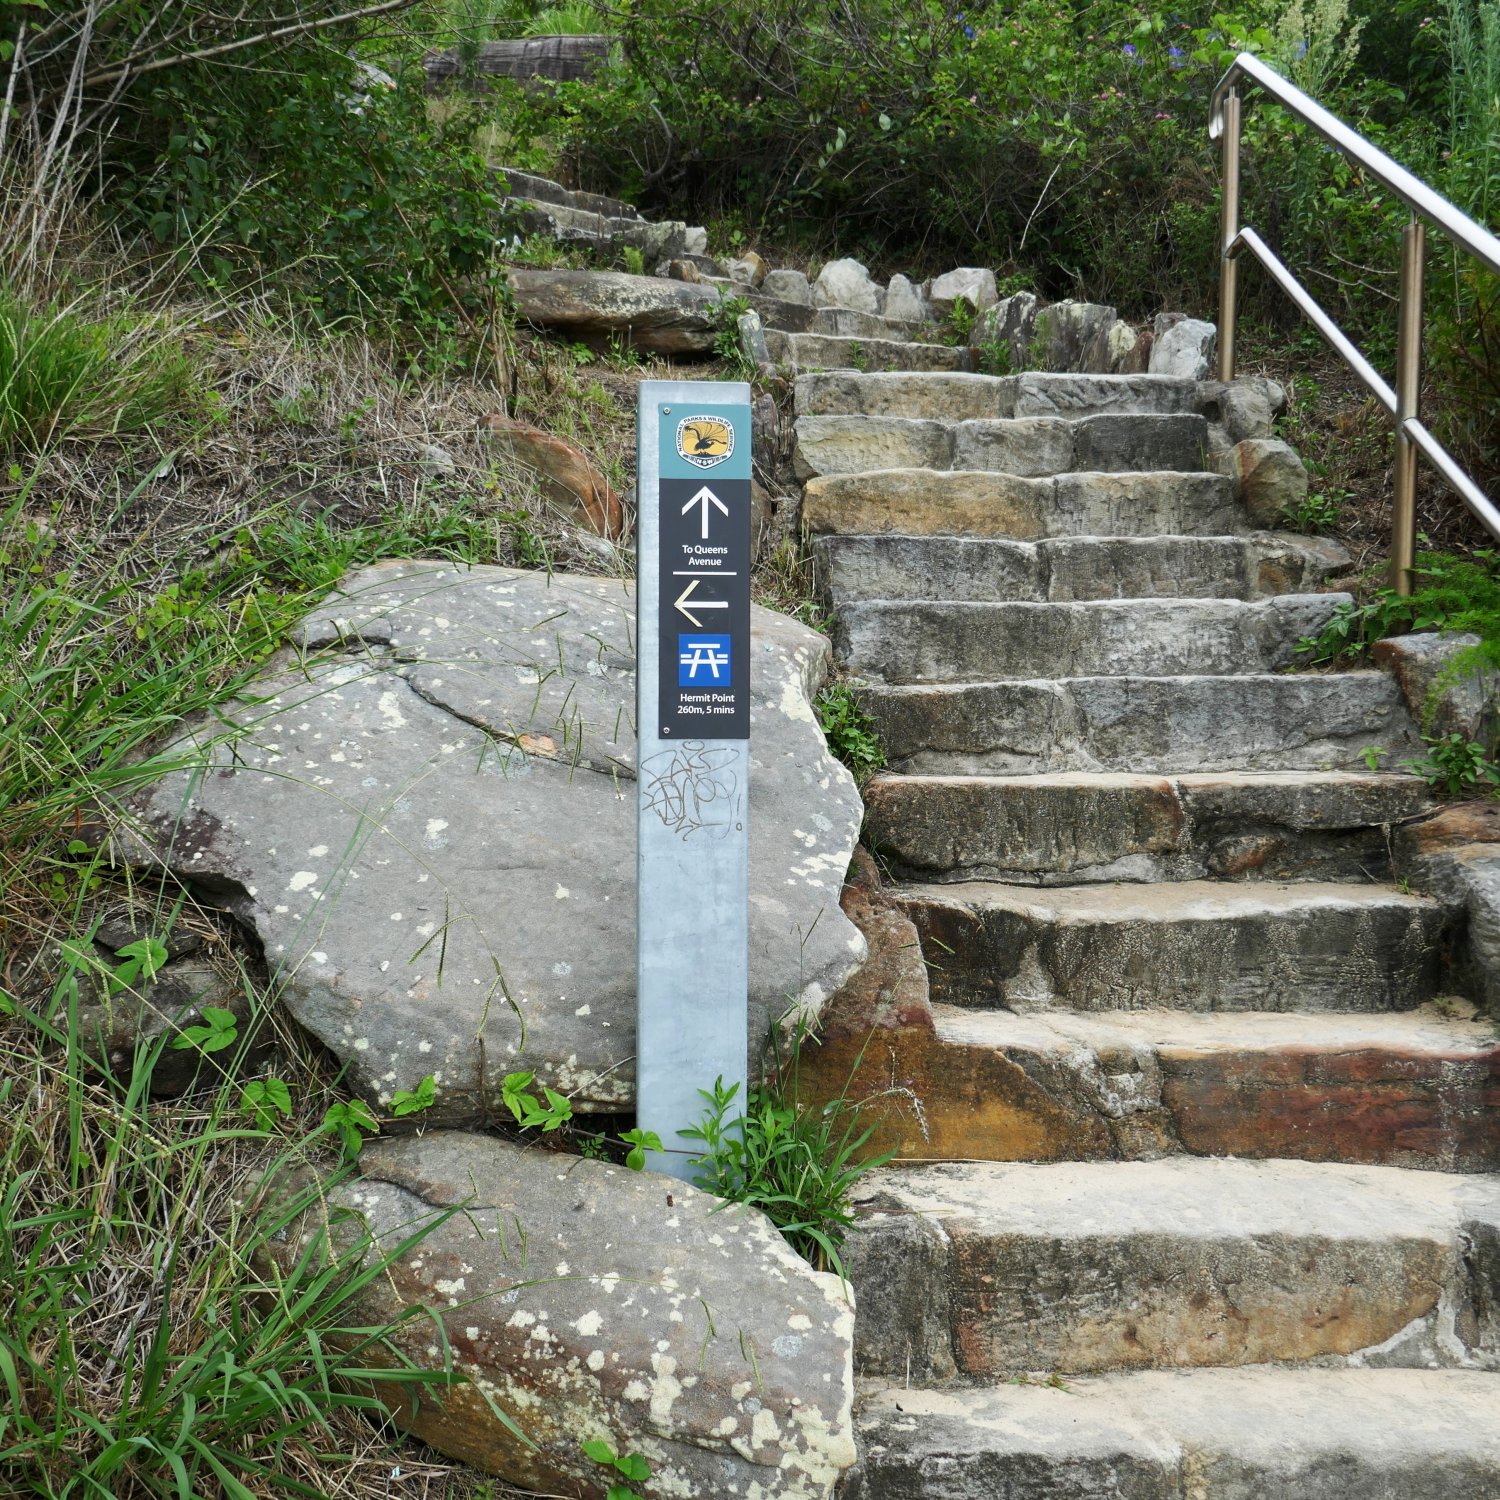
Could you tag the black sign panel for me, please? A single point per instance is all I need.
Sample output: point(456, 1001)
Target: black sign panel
point(704, 572)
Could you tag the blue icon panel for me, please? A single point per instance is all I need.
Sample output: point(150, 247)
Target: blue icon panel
point(703, 661)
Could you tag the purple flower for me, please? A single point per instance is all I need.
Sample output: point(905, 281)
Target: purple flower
point(969, 32)
point(1174, 56)
point(1129, 50)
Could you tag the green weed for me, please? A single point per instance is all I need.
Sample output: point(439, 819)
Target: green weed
point(797, 1163)
point(1456, 766)
point(631, 1468)
point(1316, 513)
point(850, 731)
point(64, 373)
point(147, 1347)
point(1450, 592)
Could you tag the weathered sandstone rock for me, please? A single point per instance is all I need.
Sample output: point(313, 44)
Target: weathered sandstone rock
point(590, 1302)
point(846, 283)
point(905, 302)
point(660, 315)
point(972, 284)
point(570, 479)
point(1073, 336)
point(1269, 478)
point(1444, 695)
point(1186, 349)
point(788, 286)
point(429, 823)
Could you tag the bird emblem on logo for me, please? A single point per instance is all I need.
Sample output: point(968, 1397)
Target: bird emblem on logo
point(705, 441)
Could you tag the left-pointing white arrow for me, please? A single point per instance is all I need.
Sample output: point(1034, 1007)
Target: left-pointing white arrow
point(686, 596)
point(705, 497)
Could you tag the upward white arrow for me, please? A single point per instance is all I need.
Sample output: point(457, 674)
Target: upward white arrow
point(705, 497)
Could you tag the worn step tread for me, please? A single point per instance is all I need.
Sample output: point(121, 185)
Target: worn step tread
point(930, 641)
point(960, 397)
point(846, 322)
point(1031, 447)
point(1069, 826)
point(1416, 1089)
point(1160, 724)
point(836, 352)
point(1241, 1434)
point(1091, 1266)
point(1200, 945)
point(1069, 569)
point(983, 503)
point(1183, 1196)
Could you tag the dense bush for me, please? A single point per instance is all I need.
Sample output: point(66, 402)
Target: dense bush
point(1069, 140)
point(1066, 142)
point(252, 152)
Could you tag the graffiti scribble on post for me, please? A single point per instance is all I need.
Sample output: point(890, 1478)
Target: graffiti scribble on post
point(694, 790)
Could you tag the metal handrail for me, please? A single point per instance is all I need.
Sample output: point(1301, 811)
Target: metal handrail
point(1401, 402)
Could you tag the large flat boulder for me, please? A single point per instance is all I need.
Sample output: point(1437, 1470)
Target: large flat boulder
point(591, 1303)
point(428, 820)
point(663, 316)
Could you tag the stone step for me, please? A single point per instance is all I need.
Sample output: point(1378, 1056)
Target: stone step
point(1197, 945)
point(1033, 447)
point(1069, 827)
point(1092, 1267)
point(960, 503)
point(1416, 1089)
point(554, 194)
point(1303, 722)
point(846, 323)
point(962, 398)
point(1251, 1434)
point(1068, 569)
point(935, 641)
point(820, 351)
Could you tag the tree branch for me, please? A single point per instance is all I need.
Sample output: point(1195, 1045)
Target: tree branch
point(203, 54)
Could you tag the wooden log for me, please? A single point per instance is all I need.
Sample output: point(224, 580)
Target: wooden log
point(561, 59)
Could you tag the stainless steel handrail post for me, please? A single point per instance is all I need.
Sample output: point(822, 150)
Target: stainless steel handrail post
point(1408, 402)
point(1428, 207)
point(1229, 228)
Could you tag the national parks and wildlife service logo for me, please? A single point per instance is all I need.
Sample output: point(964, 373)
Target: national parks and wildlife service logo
point(705, 441)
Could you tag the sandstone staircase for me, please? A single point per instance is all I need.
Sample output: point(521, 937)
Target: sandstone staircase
point(1205, 1213)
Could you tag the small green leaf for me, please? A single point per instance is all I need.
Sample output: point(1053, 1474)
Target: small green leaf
point(351, 1122)
point(218, 1031)
point(150, 954)
point(640, 1142)
point(414, 1101)
point(265, 1098)
point(634, 1467)
point(599, 1451)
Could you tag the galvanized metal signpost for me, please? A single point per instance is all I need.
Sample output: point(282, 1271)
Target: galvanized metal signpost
point(693, 732)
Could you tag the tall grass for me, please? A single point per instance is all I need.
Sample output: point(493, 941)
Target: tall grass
point(147, 1347)
point(65, 373)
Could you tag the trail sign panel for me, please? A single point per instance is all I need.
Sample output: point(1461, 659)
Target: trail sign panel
point(693, 772)
point(703, 563)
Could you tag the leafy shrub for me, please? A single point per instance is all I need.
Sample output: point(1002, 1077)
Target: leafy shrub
point(796, 1163)
point(347, 192)
point(64, 373)
point(1450, 592)
point(1456, 766)
point(258, 147)
point(1316, 512)
point(850, 731)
